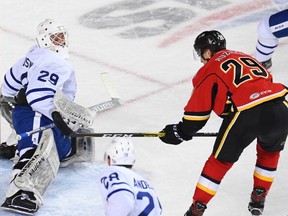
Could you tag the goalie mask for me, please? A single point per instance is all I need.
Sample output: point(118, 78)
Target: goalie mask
point(52, 35)
point(121, 152)
point(212, 40)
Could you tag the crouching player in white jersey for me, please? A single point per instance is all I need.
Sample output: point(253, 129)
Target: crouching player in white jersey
point(124, 192)
point(270, 30)
point(33, 81)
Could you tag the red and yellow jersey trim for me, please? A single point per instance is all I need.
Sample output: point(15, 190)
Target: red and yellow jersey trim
point(262, 100)
point(196, 117)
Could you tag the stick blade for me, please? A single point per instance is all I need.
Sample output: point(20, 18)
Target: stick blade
point(108, 105)
point(109, 85)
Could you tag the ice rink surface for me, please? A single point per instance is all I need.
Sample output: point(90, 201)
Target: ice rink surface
point(146, 47)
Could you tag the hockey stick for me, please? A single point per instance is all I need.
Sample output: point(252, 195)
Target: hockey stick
point(86, 115)
point(65, 104)
point(75, 134)
point(107, 105)
point(156, 134)
point(109, 85)
point(113, 93)
point(29, 133)
point(96, 108)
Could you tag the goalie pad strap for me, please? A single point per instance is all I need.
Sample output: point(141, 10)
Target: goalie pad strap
point(60, 123)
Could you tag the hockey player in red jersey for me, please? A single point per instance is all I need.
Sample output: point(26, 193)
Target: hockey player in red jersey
point(240, 90)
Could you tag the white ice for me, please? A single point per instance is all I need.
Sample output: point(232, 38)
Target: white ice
point(154, 83)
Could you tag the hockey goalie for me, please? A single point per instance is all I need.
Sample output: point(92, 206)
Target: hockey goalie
point(36, 175)
point(32, 83)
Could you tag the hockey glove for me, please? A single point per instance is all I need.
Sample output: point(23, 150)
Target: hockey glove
point(7, 104)
point(61, 124)
point(7, 151)
point(21, 98)
point(174, 135)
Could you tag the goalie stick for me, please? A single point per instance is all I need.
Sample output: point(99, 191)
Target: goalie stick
point(107, 105)
point(64, 104)
point(113, 93)
point(109, 85)
point(83, 115)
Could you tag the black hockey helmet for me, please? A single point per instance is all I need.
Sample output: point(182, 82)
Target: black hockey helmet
point(212, 40)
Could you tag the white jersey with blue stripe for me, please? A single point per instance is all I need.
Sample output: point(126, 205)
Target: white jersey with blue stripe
point(41, 72)
point(126, 193)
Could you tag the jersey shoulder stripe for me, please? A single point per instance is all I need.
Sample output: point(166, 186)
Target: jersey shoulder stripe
point(119, 183)
point(14, 78)
point(118, 190)
point(40, 99)
point(39, 90)
point(10, 86)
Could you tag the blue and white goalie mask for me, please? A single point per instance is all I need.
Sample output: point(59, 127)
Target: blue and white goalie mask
point(52, 35)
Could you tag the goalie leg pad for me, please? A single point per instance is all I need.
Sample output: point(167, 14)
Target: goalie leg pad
point(83, 149)
point(40, 170)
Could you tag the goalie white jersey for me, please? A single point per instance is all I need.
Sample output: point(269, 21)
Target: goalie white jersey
point(41, 72)
point(126, 193)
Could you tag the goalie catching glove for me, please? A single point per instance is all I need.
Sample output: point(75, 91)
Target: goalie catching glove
point(174, 135)
point(65, 125)
point(6, 106)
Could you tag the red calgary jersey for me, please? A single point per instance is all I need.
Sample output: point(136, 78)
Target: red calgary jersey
point(230, 77)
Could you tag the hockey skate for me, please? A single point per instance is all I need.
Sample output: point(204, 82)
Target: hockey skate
point(256, 204)
point(23, 202)
point(267, 64)
point(197, 209)
point(8, 148)
point(7, 151)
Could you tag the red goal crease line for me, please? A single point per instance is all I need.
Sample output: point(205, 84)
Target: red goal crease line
point(215, 18)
